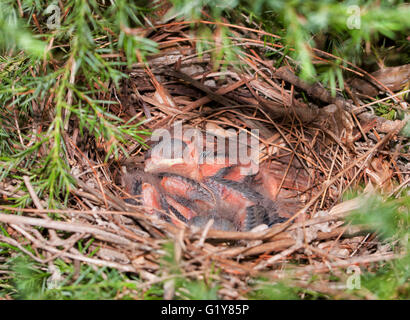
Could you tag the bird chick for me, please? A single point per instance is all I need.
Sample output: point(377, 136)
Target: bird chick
point(194, 182)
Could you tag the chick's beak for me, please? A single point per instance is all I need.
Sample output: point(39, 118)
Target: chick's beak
point(161, 165)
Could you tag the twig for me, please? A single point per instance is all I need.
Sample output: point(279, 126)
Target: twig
point(279, 256)
point(18, 245)
point(70, 227)
point(33, 194)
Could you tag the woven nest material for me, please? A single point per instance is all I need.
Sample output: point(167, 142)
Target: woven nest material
point(315, 150)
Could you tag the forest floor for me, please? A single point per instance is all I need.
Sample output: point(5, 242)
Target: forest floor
point(341, 169)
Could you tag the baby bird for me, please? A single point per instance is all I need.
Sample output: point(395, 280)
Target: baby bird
point(194, 186)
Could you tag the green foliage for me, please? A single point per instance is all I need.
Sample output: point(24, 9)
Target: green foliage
point(273, 291)
point(67, 69)
point(54, 75)
point(299, 22)
point(406, 131)
point(31, 281)
point(193, 9)
point(390, 280)
point(185, 288)
point(391, 220)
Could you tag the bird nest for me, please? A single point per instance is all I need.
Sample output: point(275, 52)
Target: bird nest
point(312, 147)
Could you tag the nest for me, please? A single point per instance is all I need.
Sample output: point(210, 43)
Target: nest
point(318, 145)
